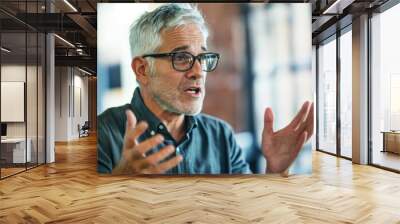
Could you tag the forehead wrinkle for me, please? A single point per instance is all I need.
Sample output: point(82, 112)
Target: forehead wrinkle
point(183, 35)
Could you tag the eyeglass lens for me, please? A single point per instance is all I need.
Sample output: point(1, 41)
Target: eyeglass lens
point(184, 61)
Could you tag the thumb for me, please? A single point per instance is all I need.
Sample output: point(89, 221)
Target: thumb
point(268, 121)
point(130, 119)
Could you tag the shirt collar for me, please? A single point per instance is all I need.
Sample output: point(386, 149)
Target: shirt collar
point(143, 113)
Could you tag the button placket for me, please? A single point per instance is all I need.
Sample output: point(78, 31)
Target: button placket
point(182, 165)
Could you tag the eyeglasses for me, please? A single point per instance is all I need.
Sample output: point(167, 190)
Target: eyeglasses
point(183, 61)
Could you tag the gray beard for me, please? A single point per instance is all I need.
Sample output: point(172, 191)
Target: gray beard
point(170, 108)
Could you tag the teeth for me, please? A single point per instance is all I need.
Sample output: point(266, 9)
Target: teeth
point(193, 90)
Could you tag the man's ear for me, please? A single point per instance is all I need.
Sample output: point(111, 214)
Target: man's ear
point(141, 68)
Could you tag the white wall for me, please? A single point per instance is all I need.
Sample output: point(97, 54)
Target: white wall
point(13, 73)
point(80, 100)
point(61, 103)
point(71, 93)
point(33, 127)
point(16, 73)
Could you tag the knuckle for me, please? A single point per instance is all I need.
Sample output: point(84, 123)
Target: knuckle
point(157, 138)
point(151, 161)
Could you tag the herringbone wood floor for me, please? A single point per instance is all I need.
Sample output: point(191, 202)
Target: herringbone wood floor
point(70, 191)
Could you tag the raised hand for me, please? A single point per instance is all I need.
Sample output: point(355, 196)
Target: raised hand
point(133, 159)
point(281, 147)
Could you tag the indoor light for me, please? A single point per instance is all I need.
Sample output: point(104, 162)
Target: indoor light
point(70, 5)
point(64, 40)
point(337, 7)
point(86, 72)
point(5, 50)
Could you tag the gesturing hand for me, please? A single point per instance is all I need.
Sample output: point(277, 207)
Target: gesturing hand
point(281, 147)
point(133, 159)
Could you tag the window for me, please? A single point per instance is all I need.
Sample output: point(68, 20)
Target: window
point(22, 65)
point(327, 96)
point(346, 94)
point(385, 85)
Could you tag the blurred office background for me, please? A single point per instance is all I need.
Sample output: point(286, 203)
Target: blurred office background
point(22, 91)
point(265, 61)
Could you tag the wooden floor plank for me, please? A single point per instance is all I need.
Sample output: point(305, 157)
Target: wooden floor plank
point(71, 191)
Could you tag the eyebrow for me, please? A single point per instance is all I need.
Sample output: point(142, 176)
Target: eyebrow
point(185, 47)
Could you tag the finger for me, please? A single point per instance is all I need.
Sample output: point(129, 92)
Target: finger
point(300, 142)
point(130, 125)
point(310, 122)
point(140, 163)
point(148, 171)
point(307, 124)
point(285, 173)
point(268, 121)
point(131, 135)
point(171, 163)
point(142, 166)
point(300, 116)
point(148, 144)
point(155, 158)
point(130, 119)
point(147, 167)
point(138, 156)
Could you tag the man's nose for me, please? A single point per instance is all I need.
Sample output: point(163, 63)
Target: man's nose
point(195, 72)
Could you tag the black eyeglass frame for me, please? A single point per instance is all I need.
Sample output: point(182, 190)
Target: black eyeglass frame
point(194, 58)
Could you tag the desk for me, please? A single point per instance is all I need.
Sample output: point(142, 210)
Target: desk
point(391, 141)
point(13, 150)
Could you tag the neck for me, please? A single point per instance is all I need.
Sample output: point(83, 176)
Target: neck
point(173, 121)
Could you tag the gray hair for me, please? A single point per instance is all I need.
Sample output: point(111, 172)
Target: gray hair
point(145, 33)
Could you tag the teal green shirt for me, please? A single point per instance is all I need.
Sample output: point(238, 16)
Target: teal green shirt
point(209, 146)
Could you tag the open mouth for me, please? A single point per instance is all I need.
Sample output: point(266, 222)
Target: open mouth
point(194, 91)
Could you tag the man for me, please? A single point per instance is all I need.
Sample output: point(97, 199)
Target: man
point(162, 130)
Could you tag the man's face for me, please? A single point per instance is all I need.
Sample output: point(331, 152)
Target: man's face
point(174, 90)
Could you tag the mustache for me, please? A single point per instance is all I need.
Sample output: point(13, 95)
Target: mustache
point(196, 83)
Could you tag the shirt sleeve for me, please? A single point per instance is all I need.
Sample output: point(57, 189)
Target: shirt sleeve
point(104, 163)
point(238, 163)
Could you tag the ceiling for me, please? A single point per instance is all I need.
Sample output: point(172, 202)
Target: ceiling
point(328, 16)
point(73, 21)
point(76, 22)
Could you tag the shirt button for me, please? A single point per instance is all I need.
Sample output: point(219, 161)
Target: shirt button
point(152, 133)
point(178, 150)
point(161, 127)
